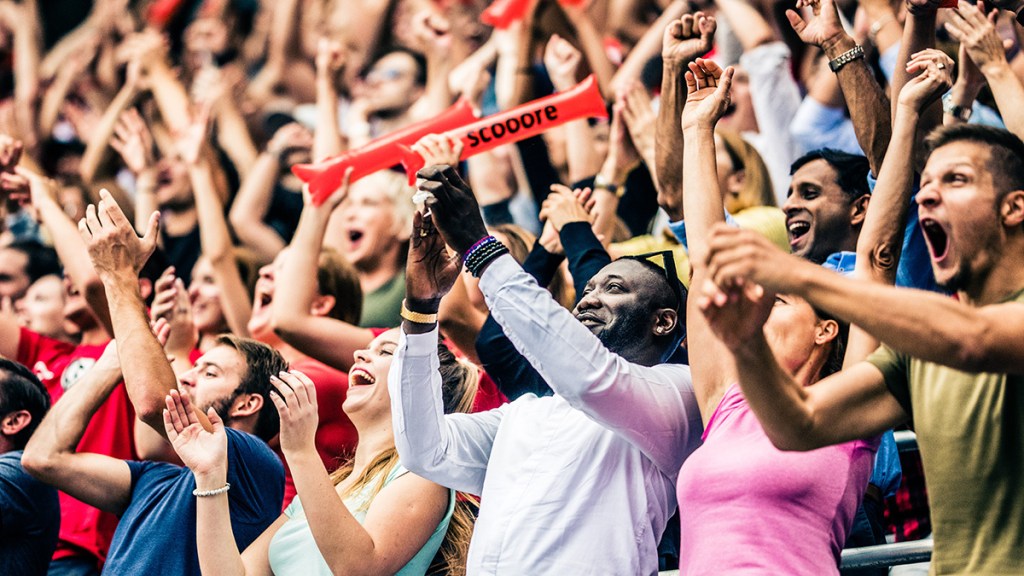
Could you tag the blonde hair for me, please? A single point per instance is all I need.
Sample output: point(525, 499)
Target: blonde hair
point(459, 382)
point(757, 184)
point(395, 187)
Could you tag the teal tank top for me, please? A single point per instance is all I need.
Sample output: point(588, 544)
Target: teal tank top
point(293, 550)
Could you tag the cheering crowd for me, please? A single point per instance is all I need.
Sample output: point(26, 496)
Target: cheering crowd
point(675, 333)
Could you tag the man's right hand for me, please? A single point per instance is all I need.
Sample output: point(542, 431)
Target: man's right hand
point(113, 246)
point(454, 209)
point(824, 29)
point(687, 38)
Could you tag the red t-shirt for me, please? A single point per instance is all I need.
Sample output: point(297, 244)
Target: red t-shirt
point(59, 365)
point(336, 436)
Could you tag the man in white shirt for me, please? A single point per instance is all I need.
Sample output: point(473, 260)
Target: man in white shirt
point(582, 482)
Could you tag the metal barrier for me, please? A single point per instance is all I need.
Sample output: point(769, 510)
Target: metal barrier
point(875, 556)
point(906, 441)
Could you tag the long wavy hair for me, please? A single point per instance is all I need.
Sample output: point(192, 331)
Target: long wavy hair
point(459, 382)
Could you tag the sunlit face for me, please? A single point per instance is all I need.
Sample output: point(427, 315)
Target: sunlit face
point(42, 308)
point(214, 378)
point(791, 331)
point(616, 306)
point(391, 84)
point(204, 294)
point(367, 396)
point(14, 280)
point(260, 326)
point(959, 213)
point(368, 227)
point(818, 218)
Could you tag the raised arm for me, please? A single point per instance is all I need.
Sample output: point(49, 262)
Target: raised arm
point(561, 60)
point(708, 95)
point(570, 358)
point(928, 326)
point(97, 480)
point(213, 228)
point(327, 140)
point(978, 34)
point(118, 254)
point(329, 340)
point(918, 34)
point(647, 48)
point(865, 99)
point(683, 40)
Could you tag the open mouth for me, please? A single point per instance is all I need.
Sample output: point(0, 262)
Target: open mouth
point(589, 320)
point(355, 236)
point(797, 230)
point(936, 238)
point(360, 377)
point(164, 177)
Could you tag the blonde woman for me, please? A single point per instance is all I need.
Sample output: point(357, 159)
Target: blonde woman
point(371, 516)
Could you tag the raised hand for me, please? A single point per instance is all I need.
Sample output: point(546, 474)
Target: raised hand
point(563, 206)
point(171, 303)
point(334, 200)
point(205, 452)
point(824, 29)
point(977, 33)
point(561, 59)
point(294, 395)
point(10, 152)
point(433, 31)
point(330, 57)
point(736, 257)
point(430, 269)
point(113, 246)
point(456, 213)
point(640, 119)
point(687, 38)
point(736, 315)
point(933, 78)
point(439, 149)
point(133, 141)
point(191, 140)
point(707, 93)
point(290, 137)
point(623, 156)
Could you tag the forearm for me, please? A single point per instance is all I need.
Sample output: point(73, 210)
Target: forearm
point(215, 540)
point(98, 142)
point(1008, 93)
point(581, 157)
point(777, 399)
point(251, 205)
point(234, 138)
point(341, 539)
point(327, 140)
point(702, 196)
point(881, 239)
point(866, 101)
point(592, 46)
point(148, 376)
point(295, 297)
point(171, 97)
point(646, 48)
point(53, 99)
point(145, 198)
point(749, 26)
point(918, 35)
point(668, 142)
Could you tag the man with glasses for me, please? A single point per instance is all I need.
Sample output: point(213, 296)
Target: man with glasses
point(578, 482)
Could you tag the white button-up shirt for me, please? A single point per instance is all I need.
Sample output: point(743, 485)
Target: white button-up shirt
point(582, 482)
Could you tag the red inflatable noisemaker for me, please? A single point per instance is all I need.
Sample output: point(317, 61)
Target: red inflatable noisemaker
point(501, 13)
point(382, 153)
point(522, 122)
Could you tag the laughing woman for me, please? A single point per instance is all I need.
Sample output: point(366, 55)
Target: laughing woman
point(371, 516)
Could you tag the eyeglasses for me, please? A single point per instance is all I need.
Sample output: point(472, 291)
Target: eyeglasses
point(385, 75)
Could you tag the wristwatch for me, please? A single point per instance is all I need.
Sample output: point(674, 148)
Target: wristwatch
point(603, 183)
point(846, 57)
point(961, 113)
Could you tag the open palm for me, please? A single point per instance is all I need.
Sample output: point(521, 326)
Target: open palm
point(200, 449)
point(707, 93)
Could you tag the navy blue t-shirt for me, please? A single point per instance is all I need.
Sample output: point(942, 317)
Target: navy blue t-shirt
point(29, 519)
point(157, 533)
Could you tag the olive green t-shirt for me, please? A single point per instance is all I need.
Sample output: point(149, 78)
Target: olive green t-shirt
point(970, 431)
point(382, 308)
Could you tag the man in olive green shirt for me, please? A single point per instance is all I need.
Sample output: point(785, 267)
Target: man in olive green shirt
point(953, 367)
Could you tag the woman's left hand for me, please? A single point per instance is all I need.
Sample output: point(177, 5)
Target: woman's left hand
point(294, 395)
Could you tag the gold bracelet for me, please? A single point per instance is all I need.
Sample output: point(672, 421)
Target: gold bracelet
point(417, 317)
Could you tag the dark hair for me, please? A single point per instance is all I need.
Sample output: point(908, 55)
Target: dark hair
point(459, 381)
point(837, 354)
point(851, 169)
point(1006, 151)
point(261, 362)
point(21, 390)
point(674, 297)
point(42, 260)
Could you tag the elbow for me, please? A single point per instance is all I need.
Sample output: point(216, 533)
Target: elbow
point(799, 436)
point(42, 462)
point(973, 357)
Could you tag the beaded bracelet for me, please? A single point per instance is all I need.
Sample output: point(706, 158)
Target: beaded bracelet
point(479, 243)
point(482, 253)
point(214, 492)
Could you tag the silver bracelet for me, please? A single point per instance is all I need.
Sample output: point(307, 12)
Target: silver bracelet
point(214, 492)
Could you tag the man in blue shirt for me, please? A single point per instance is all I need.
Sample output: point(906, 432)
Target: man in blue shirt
point(29, 509)
point(156, 501)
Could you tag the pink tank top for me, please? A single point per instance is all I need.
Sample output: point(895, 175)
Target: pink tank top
point(747, 507)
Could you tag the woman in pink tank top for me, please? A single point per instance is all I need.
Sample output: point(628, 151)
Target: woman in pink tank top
point(745, 506)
